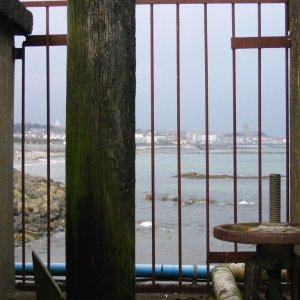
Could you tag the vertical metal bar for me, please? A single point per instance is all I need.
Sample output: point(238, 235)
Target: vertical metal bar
point(287, 117)
point(152, 141)
point(234, 120)
point(178, 144)
point(259, 123)
point(206, 135)
point(23, 163)
point(48, 135)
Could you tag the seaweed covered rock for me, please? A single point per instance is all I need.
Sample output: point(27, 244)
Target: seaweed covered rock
point(36, 206)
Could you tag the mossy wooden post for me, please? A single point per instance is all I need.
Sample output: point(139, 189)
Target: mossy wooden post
point(294, 8)
point(100, 150)
point(294, 22)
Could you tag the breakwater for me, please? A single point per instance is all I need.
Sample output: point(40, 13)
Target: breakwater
point(36, 206)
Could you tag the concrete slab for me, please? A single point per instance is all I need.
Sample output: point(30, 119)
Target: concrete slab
point(147, 296)
point(174, 296)
point(139, 296)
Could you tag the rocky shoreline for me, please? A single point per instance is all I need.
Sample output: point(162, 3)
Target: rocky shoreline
point(36, 206)
point(195, 175)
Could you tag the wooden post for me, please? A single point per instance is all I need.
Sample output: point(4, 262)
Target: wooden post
point(294, 23)
point(294, 8)
point(14, 20)
point(6, 157)
point(100, 150)
point(252, 278)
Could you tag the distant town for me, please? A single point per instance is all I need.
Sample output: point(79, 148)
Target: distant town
point(37, 134)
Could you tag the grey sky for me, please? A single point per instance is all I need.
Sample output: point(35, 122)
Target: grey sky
point(192, 69)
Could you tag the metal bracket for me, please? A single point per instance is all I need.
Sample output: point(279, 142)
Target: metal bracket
point(260, 42)
point(18, 53)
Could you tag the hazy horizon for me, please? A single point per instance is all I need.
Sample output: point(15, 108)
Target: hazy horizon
point(192, 84)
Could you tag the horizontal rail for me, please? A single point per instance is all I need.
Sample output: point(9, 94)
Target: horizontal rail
point(209, 1)
point(229, 257)
point(43, 40)
point(44, 3)
point(236, 43)
point(260, 42)
point(141, 2)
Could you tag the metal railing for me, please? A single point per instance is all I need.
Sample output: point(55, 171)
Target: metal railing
point(238, 43)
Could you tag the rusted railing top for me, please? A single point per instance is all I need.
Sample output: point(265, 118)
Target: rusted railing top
point(64, 3)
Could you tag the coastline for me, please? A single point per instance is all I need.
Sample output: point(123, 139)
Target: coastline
point(38, 151)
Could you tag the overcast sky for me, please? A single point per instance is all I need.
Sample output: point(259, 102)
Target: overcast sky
point(192, 69)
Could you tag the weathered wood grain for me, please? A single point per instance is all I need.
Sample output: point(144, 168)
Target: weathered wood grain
point(100, 150)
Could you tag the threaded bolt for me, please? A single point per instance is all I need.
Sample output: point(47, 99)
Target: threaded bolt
point(275, 198)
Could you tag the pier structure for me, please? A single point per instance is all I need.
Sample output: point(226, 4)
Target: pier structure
point(14, 20)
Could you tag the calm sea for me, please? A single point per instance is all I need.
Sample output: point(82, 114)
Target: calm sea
point(193, 199)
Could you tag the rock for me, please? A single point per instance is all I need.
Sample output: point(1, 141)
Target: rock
point(36, 210)
point(45, 198)
point(16, 212)
point(169, 198)
point(32, 228)
point(36, 205)
point(19, 207)
point(29, 236)
point(55, 207)
point(189, 202)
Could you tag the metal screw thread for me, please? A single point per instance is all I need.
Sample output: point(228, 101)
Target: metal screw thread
point(275, 197)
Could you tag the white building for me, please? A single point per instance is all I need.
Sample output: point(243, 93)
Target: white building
point(212, 138)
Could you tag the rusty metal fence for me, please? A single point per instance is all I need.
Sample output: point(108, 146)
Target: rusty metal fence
point(238, 43)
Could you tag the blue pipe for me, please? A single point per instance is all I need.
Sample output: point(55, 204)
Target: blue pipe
point(56, 269)
point(171, 271)
point(141, 270)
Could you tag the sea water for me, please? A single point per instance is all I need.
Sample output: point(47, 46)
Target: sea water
point(193, 195)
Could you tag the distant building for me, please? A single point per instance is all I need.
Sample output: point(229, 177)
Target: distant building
point(193, 136)
point(139, 138)
point(212, 138)
point(246, 128)
point(57, 124)
point(148, 139)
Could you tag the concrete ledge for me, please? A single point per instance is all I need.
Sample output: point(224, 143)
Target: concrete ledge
point(15, 17)
point(138, 296)
point(22, 296)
